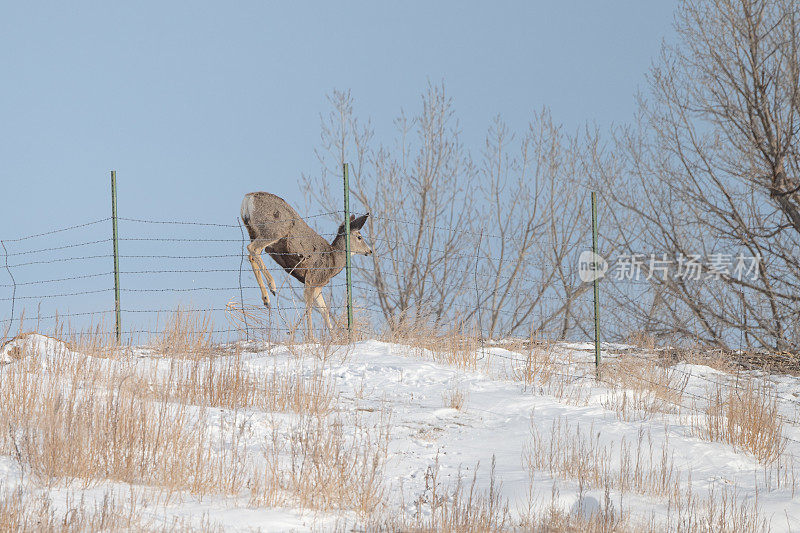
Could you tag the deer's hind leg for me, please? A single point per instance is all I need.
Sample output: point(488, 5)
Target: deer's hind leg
point(313, 297)
point(309, 296)
point(255, 249)
point(270, 279)
point(323, 308)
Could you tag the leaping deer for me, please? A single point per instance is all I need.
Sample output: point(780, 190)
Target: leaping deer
point(276, 228)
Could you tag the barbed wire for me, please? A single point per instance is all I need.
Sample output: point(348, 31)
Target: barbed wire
point(203, 331)
point(195, 223)
point(194, 289)
point(62, 260)
point(56, 280)
point(60, 295)
point(569, 271)
point(171, 310)
point(62, 315)
point(64, 247)
point(92, 223)
point(361, 286)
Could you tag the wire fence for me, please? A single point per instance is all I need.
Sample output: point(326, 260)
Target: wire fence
point(207, 261)
point(202, 265)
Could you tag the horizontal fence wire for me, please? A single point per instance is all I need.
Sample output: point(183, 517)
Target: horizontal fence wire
point(37, 318)
point(195, 223)
point(61, 260)
point(483, 234)
point(171, 310)
point(57, 280)
point(552, 294)
point(149, 290)
point(60, 230)
point(584, 294)
point(57, 295)
point(63, 247)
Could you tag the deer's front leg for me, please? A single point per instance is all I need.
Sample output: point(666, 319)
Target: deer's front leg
point(256, 264)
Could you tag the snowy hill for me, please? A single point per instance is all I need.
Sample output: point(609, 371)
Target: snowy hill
point(377, 435)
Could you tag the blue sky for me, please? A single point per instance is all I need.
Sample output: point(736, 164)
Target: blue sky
point(196, 103)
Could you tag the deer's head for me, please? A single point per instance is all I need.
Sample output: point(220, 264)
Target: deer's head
point(357, 243)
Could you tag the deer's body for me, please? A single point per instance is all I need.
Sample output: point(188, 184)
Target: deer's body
point(274, 227)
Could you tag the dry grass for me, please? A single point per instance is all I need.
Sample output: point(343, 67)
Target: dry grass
point(577, 453)
point(22, 511)
point(572, 453)
point(145, 421)
point(455, 397)
point(321, 467)
point(462, 508)
point(745, 416)
point(584, 517)
point(97, 411)
point(226, 382)
point(539, 365)
point(544, 369)
point(185, 334)
point(458, 346)
point(642, 387)
point(69, 432)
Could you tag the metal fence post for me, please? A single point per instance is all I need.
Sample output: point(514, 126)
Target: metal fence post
point(596, 288)
point(347, 250)
point(117, 310)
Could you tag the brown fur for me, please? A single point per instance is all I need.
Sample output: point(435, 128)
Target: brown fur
point(275, 227)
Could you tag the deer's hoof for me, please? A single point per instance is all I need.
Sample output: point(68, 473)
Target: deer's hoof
point(265, 299)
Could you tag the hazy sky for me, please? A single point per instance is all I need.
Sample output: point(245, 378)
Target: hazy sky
point(196, 103)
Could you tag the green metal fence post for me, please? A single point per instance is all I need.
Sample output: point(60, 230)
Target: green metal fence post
point(116, 253)
point(347, 250)
point(596, 287)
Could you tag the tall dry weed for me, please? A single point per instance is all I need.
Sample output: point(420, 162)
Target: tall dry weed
point(746, 416)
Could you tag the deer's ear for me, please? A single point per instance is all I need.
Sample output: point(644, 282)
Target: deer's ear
point(359, 222)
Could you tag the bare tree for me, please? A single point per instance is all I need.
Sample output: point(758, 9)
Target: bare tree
point(416, 188)
point(492, 241)
point(535, 205)
point(714, 172)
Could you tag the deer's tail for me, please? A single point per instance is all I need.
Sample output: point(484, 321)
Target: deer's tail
point(247, 209)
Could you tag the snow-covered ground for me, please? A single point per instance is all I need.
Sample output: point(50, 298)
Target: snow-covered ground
point(461, 419)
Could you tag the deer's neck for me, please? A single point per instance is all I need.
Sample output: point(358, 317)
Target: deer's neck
point(338, 255)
